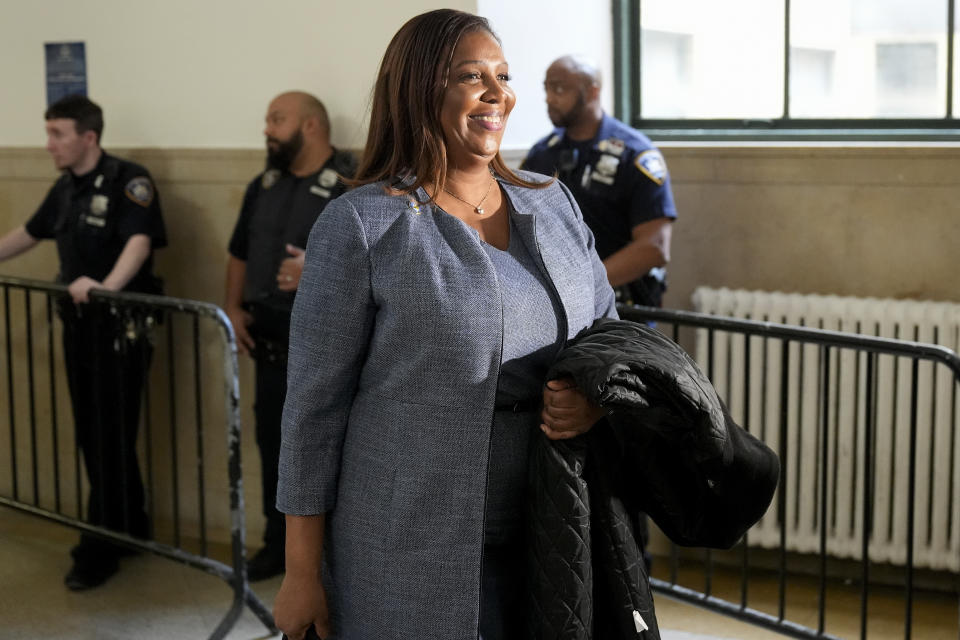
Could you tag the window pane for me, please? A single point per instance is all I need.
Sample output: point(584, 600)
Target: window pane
point(868, 58)
point(711, 59)
point(956, 73)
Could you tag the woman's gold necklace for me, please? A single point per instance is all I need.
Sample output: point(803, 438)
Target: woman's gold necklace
point(477, 206)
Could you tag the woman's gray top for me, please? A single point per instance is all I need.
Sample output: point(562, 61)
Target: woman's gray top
point(531, 337)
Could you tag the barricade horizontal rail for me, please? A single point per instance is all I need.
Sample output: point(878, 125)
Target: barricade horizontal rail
point(42, 358)
point(860, 502)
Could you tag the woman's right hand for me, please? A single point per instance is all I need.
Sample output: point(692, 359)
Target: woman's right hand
point(301, 601)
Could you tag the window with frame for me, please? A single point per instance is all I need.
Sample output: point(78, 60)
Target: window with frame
point(788, 69)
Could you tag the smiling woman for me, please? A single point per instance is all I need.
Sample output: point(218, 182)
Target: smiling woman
point(434, 297)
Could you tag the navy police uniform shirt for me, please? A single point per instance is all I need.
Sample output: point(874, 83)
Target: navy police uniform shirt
point(280, 208)
point(619, 179)
point(92, 217)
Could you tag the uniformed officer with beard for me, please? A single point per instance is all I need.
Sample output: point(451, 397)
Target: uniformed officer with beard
point(266, 259)
point(617, 176)
point(104, 214)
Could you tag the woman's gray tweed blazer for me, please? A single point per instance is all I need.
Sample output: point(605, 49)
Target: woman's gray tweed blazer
point(394, 355)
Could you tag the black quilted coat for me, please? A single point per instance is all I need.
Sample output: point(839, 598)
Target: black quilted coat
point(667, 447)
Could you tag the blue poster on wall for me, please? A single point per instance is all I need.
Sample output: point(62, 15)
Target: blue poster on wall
point(66, 65)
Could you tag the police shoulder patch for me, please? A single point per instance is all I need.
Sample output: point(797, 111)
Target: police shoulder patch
point(140, 190)
point(652, 165)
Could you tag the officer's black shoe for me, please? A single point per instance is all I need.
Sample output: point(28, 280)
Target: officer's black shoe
point(266, 563)
point(87, 572)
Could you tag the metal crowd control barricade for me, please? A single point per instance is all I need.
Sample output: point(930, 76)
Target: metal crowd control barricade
point(782, 382)
point(45, 476)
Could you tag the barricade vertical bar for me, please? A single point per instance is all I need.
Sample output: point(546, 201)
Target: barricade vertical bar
point(145, 411)
point(78, 476)
point(707, 553)
point(174, 466)
point(858, 417)
point(835, 469)
point(932, 448)
point(797, 462)
point(98, 420)
point(782, 489)
point(953, 445)
point(232, 397)
point(31, 399)
point(198, 414)
point(912, 486)
point(119, 363)
point(953, 435)
point(824, 459)
point(892, 460)
point(745, 569)
point(674, 563)
point(10, 402)
point(868, 464)
point(674, 552)
point(51, 372)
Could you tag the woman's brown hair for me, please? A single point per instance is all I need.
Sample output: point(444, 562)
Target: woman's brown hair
point(405, 139)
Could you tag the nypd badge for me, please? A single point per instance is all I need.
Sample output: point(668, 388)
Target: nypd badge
point(140, 190)
point(608, 164)
point(99, 204)
point(652, 165)
point(328, 178)
point(269, 178)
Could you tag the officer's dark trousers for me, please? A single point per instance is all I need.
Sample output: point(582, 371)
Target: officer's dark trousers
point(106, 372)
point(270, 331)
point(268, 408)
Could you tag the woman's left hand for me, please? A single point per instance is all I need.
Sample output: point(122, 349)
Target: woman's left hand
point(566, 410)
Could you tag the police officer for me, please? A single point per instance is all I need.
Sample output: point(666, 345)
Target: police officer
point(104, 215)
point(617, 176)
point(266, 258)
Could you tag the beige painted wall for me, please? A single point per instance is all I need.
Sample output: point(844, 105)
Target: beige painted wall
point(183, 74)
point(180, 73)
point(867, 221)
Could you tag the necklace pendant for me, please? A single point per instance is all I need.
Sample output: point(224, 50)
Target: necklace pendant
point(479, 210)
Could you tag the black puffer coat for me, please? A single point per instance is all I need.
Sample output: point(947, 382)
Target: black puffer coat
point(667, 447)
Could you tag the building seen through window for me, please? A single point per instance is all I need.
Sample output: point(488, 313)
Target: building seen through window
point(848, 59)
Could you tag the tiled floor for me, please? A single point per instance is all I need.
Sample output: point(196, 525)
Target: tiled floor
point(157, 599)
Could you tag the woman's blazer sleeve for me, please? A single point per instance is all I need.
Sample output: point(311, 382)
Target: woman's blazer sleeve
point(329, 333)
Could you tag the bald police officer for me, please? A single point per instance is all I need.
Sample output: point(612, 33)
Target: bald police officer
point(266, 259)
point(104, 215)
point(617, 176)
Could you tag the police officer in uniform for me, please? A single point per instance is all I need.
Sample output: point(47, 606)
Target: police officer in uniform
point(104, 215)
point(266, 259)
point(617, 176)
